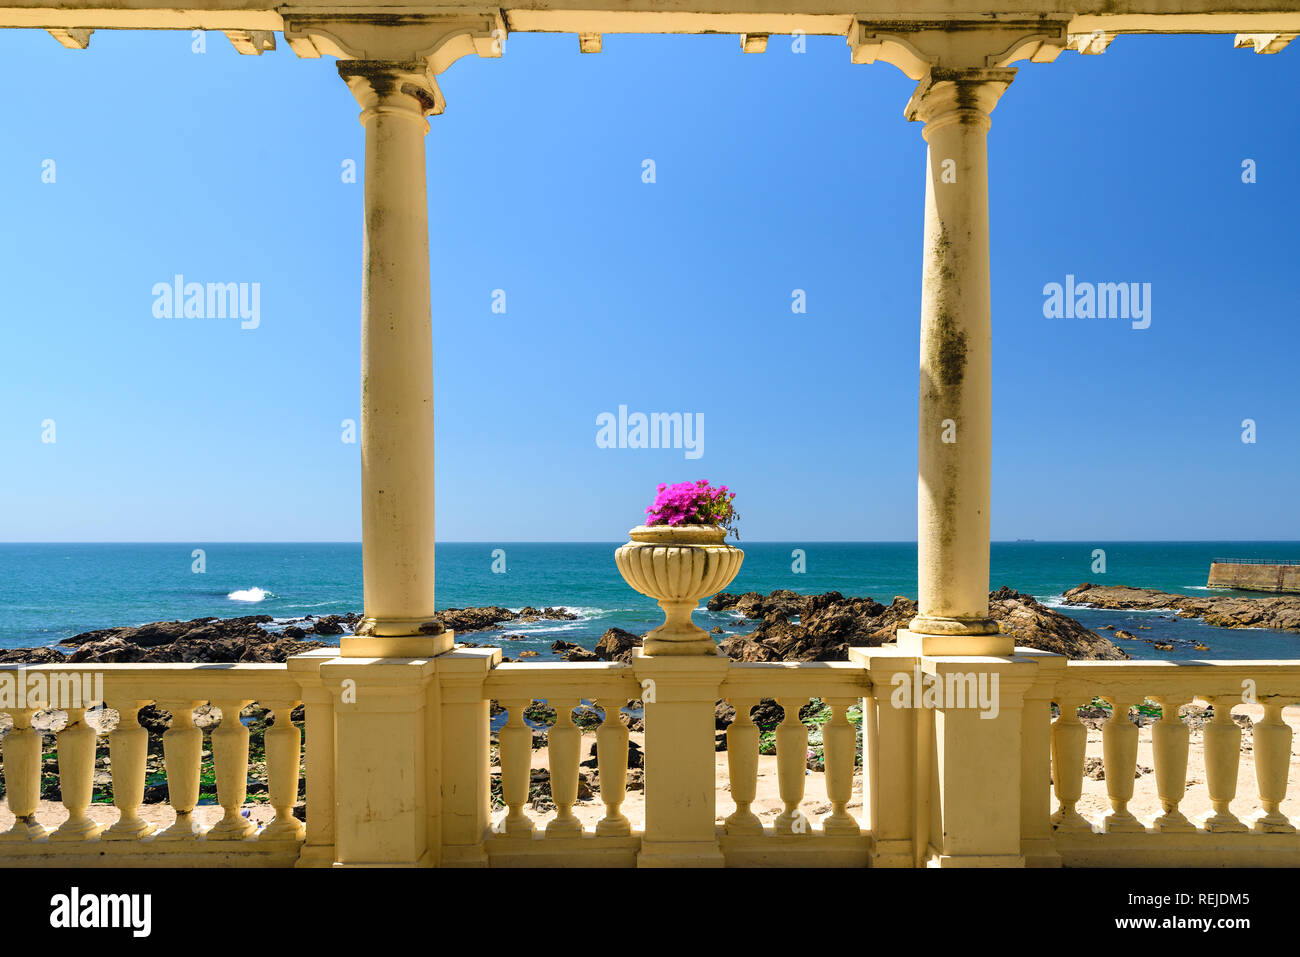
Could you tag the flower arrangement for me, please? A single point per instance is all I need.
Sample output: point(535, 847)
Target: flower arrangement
point(694, 503)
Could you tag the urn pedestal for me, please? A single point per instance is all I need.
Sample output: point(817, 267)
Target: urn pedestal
point(677, 565)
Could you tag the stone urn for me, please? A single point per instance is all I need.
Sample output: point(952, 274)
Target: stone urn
point(677, 565)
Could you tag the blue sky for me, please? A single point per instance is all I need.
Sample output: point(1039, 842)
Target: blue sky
point(774, 172)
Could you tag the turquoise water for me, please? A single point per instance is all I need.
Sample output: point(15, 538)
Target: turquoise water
point(51, 591)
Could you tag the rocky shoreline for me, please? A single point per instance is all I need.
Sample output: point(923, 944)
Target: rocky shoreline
point(1281, 613)
point(786, 626)
point(245, 639)
point(789, 627)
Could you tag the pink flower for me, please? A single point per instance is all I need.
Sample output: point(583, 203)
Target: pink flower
point(694, 503)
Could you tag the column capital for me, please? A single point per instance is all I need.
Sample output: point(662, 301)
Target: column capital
point(393, 86)
point(944, 96)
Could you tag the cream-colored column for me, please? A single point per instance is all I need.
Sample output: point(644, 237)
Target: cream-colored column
point(396, 351)
point(954, 437)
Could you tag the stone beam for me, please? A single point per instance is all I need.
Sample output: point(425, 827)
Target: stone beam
point(1084, 18)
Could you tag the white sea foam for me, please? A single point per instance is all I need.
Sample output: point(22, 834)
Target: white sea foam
point(581, 611)
point(527, 628)
point(1058, 601)
point(250, 594)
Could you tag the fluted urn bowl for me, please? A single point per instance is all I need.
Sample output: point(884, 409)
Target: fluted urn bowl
point(677, 565)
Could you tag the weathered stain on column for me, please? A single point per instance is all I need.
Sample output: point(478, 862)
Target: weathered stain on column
point(955, 423)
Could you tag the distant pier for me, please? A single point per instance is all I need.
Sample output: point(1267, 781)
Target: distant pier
point(1256, 574)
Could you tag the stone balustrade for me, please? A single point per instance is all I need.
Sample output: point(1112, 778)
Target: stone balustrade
point(1164, 689)
point(179, 689)
point(372, 721)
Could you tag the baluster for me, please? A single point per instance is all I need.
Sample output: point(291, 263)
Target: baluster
point(76, 749)
point(1169, 738)
point(1272, 766)
point(839, 748)
point(515, 742)
point(611, 762)
point(1222, 758)
point(742, 768)
point(230, 758)
point(182, 758)
point(21, 753)
point(791, 767)
point(1119, 751)
point(128, 748)
point(563, 745)
point(283, 769)
point(1069, 742)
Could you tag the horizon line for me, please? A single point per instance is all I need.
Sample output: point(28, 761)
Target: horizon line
point(790, 541)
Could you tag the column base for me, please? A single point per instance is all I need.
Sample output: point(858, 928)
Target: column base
point(925, 644)
point(396, 646)
point(428, 627)
point(703, 646)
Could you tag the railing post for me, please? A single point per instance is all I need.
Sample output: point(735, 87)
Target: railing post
point(459, 753)
point(680, 693)
point(975, 779)
point(318, 708)
point(1036, 761)
point(889, 760)
point(382, 726)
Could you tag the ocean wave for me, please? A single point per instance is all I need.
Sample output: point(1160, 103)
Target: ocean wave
point(250, 594)
point(582, 611)
point(527, 628)
point(1058, 601)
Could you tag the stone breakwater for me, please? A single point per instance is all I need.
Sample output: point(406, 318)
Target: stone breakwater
point(1280, 614)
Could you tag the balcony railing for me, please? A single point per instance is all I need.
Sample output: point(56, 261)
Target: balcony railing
point(437, 712)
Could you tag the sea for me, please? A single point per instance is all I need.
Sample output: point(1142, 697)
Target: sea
point(52, 591)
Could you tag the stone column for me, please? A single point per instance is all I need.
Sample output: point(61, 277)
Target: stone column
point(396, 351)
point(954, 438)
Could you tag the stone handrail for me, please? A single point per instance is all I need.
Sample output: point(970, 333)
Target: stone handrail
point(516, 839)
point(792, 685)
point(1171, 838)
point(564, 688)
point(370, 719)
point(179, 689)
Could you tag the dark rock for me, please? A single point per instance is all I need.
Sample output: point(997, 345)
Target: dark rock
point(723, 715)
point(830, 624)
point(328, 625)
point(616, 645)
point(571, 652)
point(474, 619)
point(159, 633)
point(31, 656)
